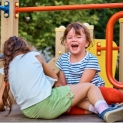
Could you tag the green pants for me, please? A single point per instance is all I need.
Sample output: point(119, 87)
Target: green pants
point(56, 104)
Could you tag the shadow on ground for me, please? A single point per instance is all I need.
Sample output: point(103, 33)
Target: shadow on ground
point(17, 116)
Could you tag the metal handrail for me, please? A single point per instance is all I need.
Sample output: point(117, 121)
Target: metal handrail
point(109, 47)
point(68, 7)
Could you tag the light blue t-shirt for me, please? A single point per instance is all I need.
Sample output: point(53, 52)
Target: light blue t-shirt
point(73, 71)
point(28, 83)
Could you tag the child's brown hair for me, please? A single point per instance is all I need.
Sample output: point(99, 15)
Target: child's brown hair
point(12, 47)
point(77, 26)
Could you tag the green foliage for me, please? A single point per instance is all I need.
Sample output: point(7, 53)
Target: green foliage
point(39, 27)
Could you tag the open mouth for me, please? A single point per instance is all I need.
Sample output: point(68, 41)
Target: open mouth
point(74, 45)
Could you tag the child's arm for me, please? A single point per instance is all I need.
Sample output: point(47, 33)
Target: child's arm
point(87, 75)
point(47, 69)
point(90, 69)
point(1, 94)
point(61, 79)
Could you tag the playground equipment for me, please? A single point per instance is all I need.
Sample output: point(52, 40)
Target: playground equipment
point(5, 9)
point(97, 48)
point(9, 27)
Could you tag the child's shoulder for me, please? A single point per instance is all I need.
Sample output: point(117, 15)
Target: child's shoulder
point(90, 55)
point(34, 53)
point(31, 54)
point(65, 55)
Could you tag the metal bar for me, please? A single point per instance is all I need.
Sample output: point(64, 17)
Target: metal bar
point(109, 46)
point(121, 52)
point(104, 48)
point(4, 8)
point(69, 7)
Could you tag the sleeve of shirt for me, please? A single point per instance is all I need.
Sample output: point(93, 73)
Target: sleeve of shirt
point(52, 80)
point(92, 63)
point(59, 63)
point(36, 53)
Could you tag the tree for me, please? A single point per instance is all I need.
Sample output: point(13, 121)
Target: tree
point(39, 27)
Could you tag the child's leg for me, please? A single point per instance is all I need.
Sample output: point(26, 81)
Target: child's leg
point(2, 86)
point(85, 104)
point(111, 95)
point(84, 107)
point(76, 110)
point(87, 90)
point(90, 91)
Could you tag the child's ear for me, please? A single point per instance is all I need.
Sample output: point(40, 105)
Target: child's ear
point(87, 44)
point(66, 44)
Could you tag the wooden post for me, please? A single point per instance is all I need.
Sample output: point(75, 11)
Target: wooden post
point(59, 49)
point(91, 29)
point(121, 51)
point(9, 26)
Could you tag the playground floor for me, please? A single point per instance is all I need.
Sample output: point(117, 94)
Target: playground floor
point(17, 116)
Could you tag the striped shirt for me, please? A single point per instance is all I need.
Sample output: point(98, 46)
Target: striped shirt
point(74, 71)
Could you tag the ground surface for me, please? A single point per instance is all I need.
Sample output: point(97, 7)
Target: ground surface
point(17, 116)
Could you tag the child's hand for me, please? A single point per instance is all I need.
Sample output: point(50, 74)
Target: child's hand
point(2, 108)
point(55, 85)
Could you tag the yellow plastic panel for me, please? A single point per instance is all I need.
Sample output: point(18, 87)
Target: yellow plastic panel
point(102, 59)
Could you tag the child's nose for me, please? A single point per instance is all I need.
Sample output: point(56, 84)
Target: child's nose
point(74, 38)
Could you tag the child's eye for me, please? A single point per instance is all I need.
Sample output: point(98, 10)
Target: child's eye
point(79, 37)
point(69, 38)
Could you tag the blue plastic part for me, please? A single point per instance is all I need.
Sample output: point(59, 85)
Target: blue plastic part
point(1, 56)
point(5, 8)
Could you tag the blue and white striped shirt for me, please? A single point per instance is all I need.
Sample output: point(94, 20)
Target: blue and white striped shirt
point(74, 71)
